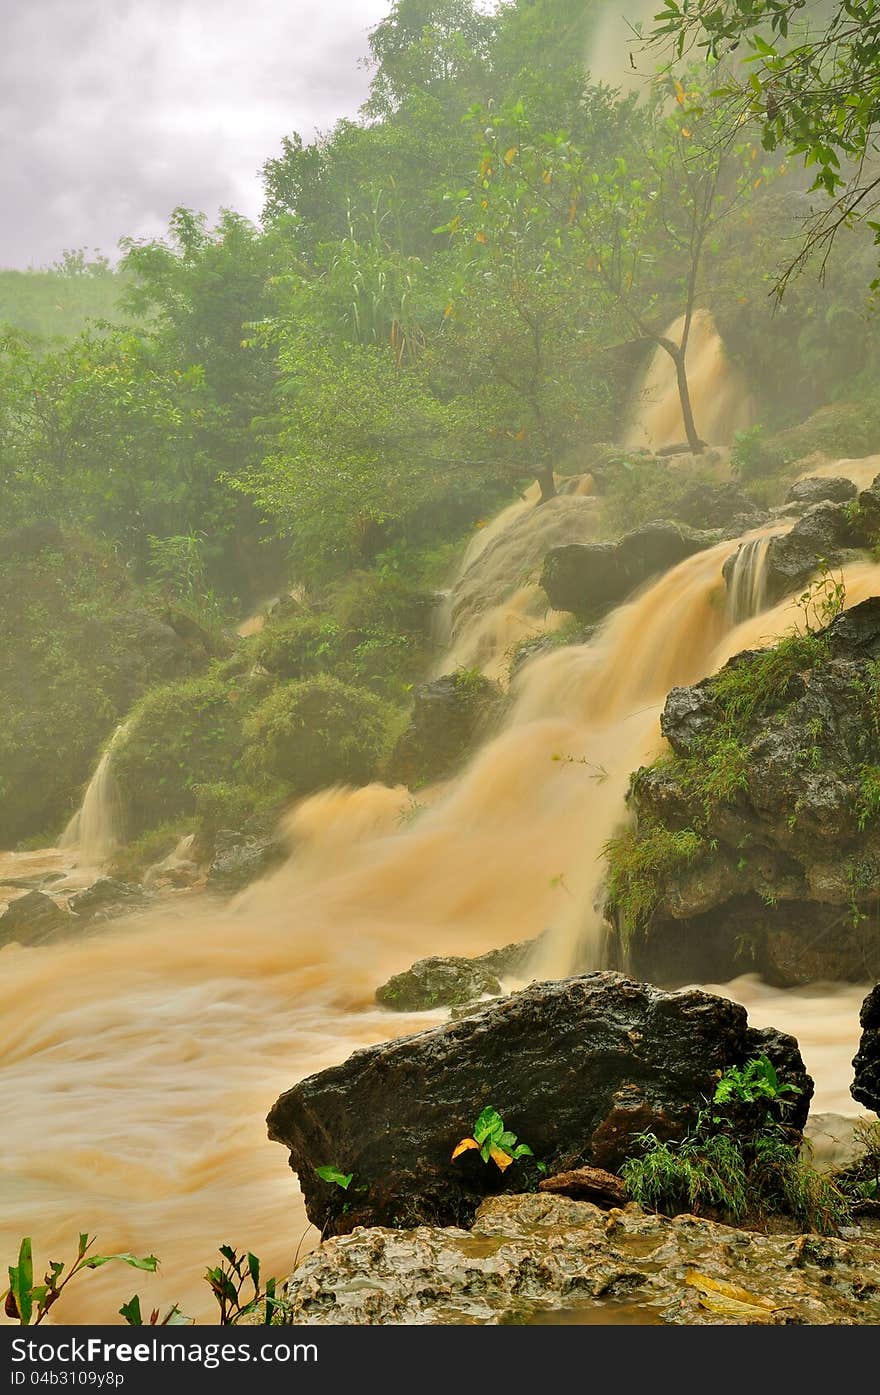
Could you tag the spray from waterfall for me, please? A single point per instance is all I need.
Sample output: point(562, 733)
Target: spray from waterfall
point(722, 403)
point(96, 829)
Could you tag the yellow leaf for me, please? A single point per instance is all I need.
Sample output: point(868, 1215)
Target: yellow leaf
point(448, 311)
point(685, 132)
point(717, 1292)
point(547, 177)
point(480, 237)
point(499, 1156)
point(758, 182)
point(464, 1146)
point(510, 155)
point(679, 92)
point(521, 434)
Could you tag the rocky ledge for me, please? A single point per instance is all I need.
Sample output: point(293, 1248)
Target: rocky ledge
point(591, 578)
point(575, 1067)
point(548, 1259)
point(757, 841)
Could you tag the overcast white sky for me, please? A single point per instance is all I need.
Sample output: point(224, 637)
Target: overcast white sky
point(114, 111)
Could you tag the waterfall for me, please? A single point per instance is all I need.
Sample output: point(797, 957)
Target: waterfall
point(96, 829)
point(747, 580)
point(720, 398)
point(153, 1052)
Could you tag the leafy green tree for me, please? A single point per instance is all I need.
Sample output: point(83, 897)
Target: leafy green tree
point(641, 202)
point(811, 76)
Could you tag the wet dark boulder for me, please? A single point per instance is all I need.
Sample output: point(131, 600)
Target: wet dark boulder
point(823, 534)
point(815, 489)
point(866, 1083)
point(590, 578)
point(455, 981)
point(240, 858)
point(869, 509)
point(450, 716)
point(106, 899)
point(437, 982)
point(757, 840)
point(575, 1067)
point(32, 919)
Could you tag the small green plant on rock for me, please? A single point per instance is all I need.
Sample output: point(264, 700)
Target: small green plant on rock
point(758, 1080)
point(737, 1168)
point(329, 1173)
point(495, 1142)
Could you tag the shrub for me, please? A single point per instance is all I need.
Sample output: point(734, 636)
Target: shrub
point(179, 736)
point(738, 1160)
point(299, 647)
point(318, 732)
point(639, 864)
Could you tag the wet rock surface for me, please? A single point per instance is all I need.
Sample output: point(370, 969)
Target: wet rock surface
point(866, 1083)
point(817, 488)
point(590, 578)
point(825, 533)
point(450, 716)
point(575, 1067)
point(541, 1258)
point(787, 883)
point(240, 858)
point(454, 981)
point(32, 919)
point(437, 982)
point(107, 898)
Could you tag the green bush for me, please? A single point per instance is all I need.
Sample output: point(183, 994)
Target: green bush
point(318, 732)
point(79, 647)
point(299, 647)
point(179, 736)
point(131, 861)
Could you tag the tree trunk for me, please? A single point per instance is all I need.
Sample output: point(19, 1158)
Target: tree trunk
point(694, 441)
point(548, 485)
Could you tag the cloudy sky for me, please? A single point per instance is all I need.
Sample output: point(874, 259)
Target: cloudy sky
point(114, 111)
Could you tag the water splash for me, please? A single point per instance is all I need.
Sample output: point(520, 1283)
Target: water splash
point(721, 400)
point(97, 828)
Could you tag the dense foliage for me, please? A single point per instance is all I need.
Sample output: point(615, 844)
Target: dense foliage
point(445, 300)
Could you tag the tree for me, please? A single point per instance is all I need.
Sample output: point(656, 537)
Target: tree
point(814, 85)
point(641, 195)
point(524, 328)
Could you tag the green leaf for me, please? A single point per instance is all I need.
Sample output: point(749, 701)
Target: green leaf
point(254, 1270)
point(148, 1262)
point(328, 1173)
point(131, 1311)
point(522, 1150)
point(21, 1281)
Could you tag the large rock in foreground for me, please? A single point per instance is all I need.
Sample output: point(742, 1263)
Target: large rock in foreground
point(575, 1068)
point(866, 1083)
point(590, 578)
point(547, 1259)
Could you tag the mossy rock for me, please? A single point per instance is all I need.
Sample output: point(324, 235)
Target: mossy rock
point(319, 732)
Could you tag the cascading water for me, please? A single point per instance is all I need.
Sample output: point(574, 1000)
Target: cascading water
point(96, 829)
point(495, 600)
point(139, 1065)
point(722, 404)
point(747, 583)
